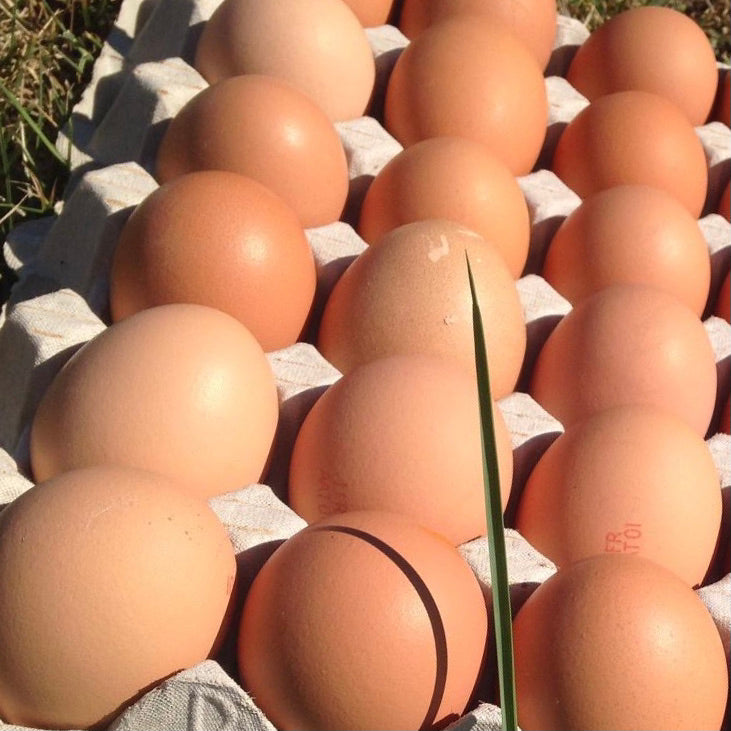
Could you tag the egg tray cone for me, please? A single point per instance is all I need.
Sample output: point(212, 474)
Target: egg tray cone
point(141, 79)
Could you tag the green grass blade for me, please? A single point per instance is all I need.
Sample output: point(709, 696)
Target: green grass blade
point(32, 125)
point(495, 528)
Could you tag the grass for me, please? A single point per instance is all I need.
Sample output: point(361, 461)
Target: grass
point(47, 50)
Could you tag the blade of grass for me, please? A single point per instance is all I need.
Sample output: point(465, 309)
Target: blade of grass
point(32, 123)
point(495, 528)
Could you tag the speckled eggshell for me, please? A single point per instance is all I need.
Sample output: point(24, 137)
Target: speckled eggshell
point(365, 620)
point(410, 294)
point(111, 580)
point(182, 390)
point(399, 434)
point(618, 642)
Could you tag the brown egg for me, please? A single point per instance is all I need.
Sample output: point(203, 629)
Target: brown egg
point(454, 178)
point(618, 642)
point(633, 137)
point(371, 13)
point(219, 239)
point(365, 620)
point(468, 77)
point(627, 344)
point(630, 233)
point(534, 23)
point(319, 46)
point(725, 424)
point(111, 580)
point(182, 390)
point(374, 442)
point(722, 106)
point(723, 301)
point(655, 49)
point(629, 479)
point(724, 205)
point(266, 129)
point(410, 294)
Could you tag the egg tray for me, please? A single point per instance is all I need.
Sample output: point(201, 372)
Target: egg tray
point(142, 77)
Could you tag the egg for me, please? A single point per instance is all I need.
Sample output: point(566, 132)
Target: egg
point(468, 77)
point(410, 294)
point(630, 233)
point(724, 205)
point(723, 301)
point(373, 442)
point(534, 23)
point(371, 12)
point(628, 343)
point(454, 178)
point(366, 620)
point(722, 105)
point(182, 390)
point(111, 580)
point(618, 642)
point(632, 137)
point(254, 262)
point(264, 128)
point(319, 46)
point(630, 51)
point(628, 479)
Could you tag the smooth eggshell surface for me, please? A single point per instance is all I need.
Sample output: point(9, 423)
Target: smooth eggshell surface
point(630, 479)
point(533, 23)
point(111, 580)
point(618, 642)
point(632, 234)
point(363, 606)
point(628, 343)
point(411, 294)
point(454, 178)
point(182, 390)
point(266, 129)
point(254, 263)
point(317, 45)
point(633, 137)
point(399, 434)
point(630, 51)
point(468, 77)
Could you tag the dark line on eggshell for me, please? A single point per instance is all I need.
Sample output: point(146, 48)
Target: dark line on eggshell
point(432, 610)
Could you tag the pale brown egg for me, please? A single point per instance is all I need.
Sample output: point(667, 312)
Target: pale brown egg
point(618, 642)
point(219, 239)
point(723, 301)
point(628, 343)
point(454, 178)
point(468, 77)
point(365, 620)
point(630, 233)
point(111, 580)
point(319, 46)
point(376, 441)
point(182, 390)
point(632, 137)
point(266, 129)
point(655, 49)
point(410, 294)
point(534, 23)
point(371, 13)
point(628, 479)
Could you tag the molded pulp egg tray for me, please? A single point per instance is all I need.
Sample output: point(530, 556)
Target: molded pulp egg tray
point(141, 79)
